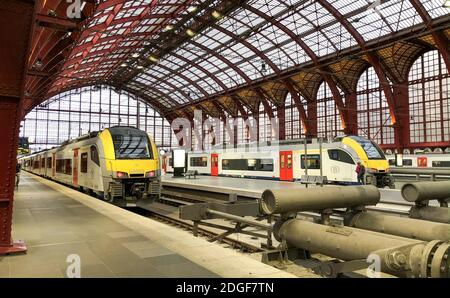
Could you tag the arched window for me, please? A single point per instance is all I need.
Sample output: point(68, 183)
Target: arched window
point(328, 120)
point(374, 119)
point(77, 112)
point(429, 103)
point(294, 127)
point(265, 125)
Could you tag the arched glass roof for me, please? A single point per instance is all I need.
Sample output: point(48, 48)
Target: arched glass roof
point(177, 55)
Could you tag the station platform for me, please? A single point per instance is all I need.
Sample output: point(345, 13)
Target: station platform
point(251, 188)
point(57, 222)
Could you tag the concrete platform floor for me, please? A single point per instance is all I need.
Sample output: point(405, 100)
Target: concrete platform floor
point(56, 222)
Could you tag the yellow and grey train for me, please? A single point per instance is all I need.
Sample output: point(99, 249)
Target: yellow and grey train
point(288, 161)
point(118, 164)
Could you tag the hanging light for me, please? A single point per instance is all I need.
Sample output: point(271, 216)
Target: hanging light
point(140, 67)
point(153, 58)
point(446, 4)
point(135, 55)
point(192, 8)
point(169, 27)
point(123, 65)
point(217, 15)
point(190, 32)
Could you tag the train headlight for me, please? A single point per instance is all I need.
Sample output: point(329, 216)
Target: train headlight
point(122, 175)
point(150, 174)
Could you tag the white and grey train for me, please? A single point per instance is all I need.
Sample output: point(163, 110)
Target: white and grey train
point(336, 161)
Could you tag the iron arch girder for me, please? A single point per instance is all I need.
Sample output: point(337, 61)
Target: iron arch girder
point(169, 99)
point(167, 83)
point(223, 59)
point(274, 45)
point(299, 105)
point(336, 96)
point(373, 58)
point(439, 38)
point(265, 103)
point(187, 80)
point(337, 99)
point(249, 46)
point(240, 107)
point(202, 69)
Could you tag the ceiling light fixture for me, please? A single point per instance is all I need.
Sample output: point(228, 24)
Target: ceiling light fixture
point(123, 65)
point(135, 55)
point(140, 67)
point(217, 15)
point(192, 8)
point(153, 58)
point(169, 27)
point(190, 32)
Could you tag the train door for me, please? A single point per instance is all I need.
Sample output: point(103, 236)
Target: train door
point(53, 164)
point(422, 162)
point(286, 169)
point(164, 164)
point(214, 164)
point(75, 167)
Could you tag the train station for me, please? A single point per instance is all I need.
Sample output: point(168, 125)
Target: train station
point(224, 139)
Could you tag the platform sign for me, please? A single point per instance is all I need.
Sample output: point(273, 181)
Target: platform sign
point(179, 162)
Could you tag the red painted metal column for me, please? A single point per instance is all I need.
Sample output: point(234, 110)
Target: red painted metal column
point(281, 114)
point(312, 119)
point(351, 114)
point(9, 133)
point(401, 127)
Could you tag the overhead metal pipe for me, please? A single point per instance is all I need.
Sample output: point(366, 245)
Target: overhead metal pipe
point(424, 191)
point(318, 198)
point(398, 256)
point(399, 226)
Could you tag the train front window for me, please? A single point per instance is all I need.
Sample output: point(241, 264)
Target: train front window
point(371, 149)
point(131, 143)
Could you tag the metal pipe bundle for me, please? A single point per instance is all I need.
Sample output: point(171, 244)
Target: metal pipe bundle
point(318, 198)
point(423, 191)
point(400, 226)
point(398, 256)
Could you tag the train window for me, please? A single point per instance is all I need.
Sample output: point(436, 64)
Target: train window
point(68, 166)
point(312, 161)
point(199, 161)
point(42, 162)
point(59, 165)
point(407, 162)
point(248, 164)
point(289, 162)
point(131, 143)
point(94, 155)
point(440, 164)
point(49, 162)
point(372, 150)
point(392, 162)
point(36, 164)
point(170, 162)
point(84, 162)
point(340, 155)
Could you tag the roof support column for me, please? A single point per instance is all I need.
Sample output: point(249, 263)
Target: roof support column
point(312, 119)
point(10, 115)
point(352, 114)
point(401, 129)
point(281, 122)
